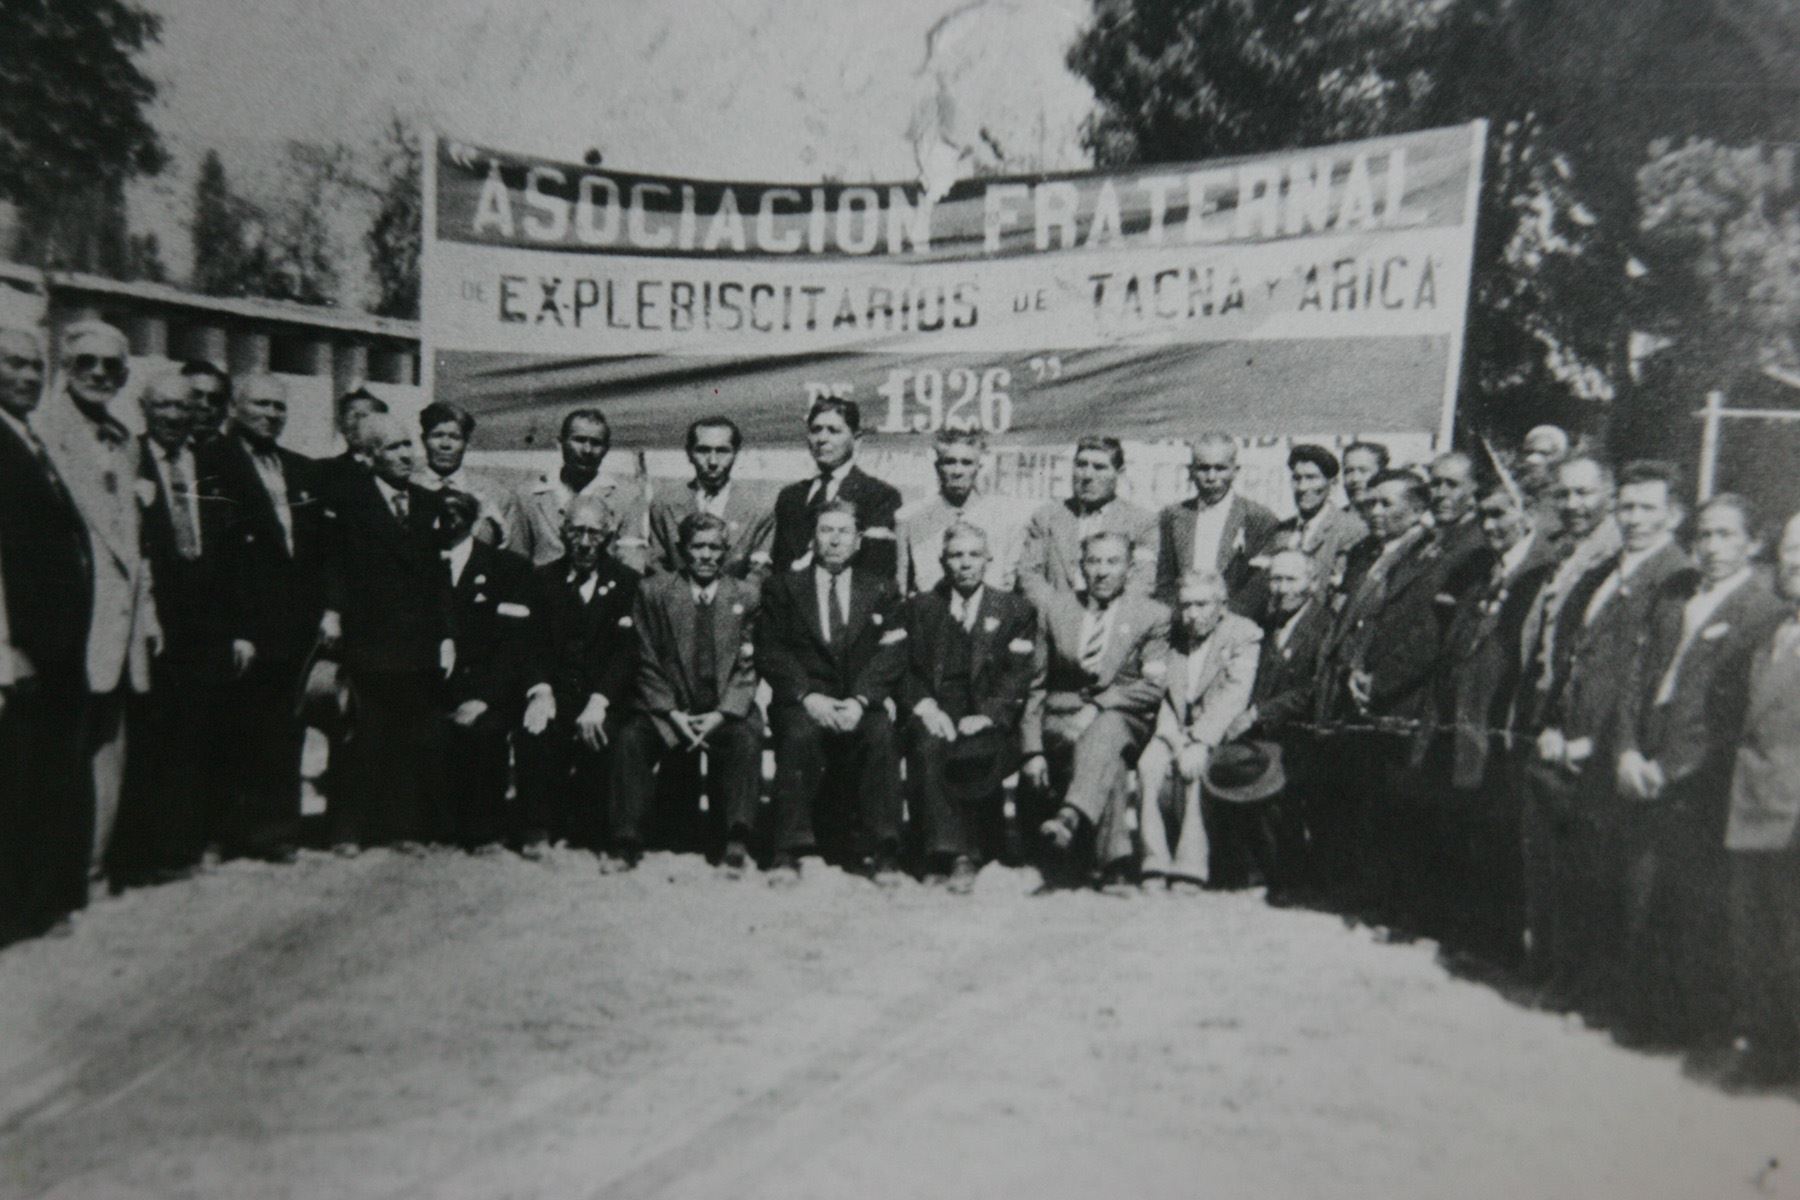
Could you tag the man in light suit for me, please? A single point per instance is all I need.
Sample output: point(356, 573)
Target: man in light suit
point(46, 831)
point(1211, 670)
point(93, 453)
point(585, 441)
point(1679, 726)
point(1085, 727)
point(972, 659)
point(1214, 529)
point(747, 506)
point(1051, 556)
point(833, 433)
point(829, 643)
point(695, 694)
point(1318, 529)
point(922, 524)
point(1762, 838)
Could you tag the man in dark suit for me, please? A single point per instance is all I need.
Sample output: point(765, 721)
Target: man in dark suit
point(579, 682)
point(271, 576)
point(209, 390)
point(1363, 461)
point(345, 468)
point(1105, 655)
point(1599, 630)
point(1679, 726)
point(45, 830)
point(833, 429)
point(829, 644)
point(746, 506)
point(482, 701)
point(1376, 669)
point(1214, 529)
point(972, 657)
point(1456, 525)
point(174, 802)
point(695, 694)
point(387, 609)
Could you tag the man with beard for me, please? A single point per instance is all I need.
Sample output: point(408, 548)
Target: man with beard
point(271, 573)
point(445, 430)
point(1210, 673)
point(833, 433)
point(45, 831)
point(1052, 556)
point(747, 506)
point(972, 658)
point(958, 455)
point(829, 643)
point(1106, 651)
point(1214, 529)
point(585, 440)
point(578, 683)
point(694, 696)
point(94, 455)
point(1679, 726)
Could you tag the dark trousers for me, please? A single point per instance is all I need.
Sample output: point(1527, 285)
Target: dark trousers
point(1765, 939)
point(175, 796)
point(1571, 885)
point(562, 784)
point(844, 786)
point(1673, 980)
point(955, 824)
point(641, 760)
point(46, 811)
point(265, 738)
point(383, 797)
point(466, 772)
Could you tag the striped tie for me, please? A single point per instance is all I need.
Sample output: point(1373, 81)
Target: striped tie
point(1093, 647)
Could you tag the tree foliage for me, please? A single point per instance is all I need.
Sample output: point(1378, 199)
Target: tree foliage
point(396, 233)
point(218, 230)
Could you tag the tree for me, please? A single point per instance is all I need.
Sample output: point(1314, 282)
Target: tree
point(397, 231)
point(218, 229)
point(76, 126)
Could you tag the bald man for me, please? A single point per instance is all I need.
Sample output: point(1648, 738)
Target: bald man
point(44, 551)
point(1214, 529)
point(94, 453)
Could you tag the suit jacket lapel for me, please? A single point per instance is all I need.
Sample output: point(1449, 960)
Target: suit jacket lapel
point(1234, 525)
point(1184, 536)
point(981, 641)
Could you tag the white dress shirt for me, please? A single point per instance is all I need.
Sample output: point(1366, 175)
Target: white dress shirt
point(963, 612)
point(457, 559)
point(713, 505)
point(1209, 531)
point(274, 481)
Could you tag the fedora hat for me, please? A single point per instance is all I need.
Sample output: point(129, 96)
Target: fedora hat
point(1245, 772)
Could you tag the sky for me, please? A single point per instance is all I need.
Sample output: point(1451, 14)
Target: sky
point(757, 89)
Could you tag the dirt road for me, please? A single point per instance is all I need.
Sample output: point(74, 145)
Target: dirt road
point(391, 1027)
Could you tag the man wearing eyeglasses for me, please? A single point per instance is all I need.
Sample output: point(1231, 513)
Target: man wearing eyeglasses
point(94, 453)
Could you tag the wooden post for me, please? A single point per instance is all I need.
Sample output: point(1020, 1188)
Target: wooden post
point(1714, 417)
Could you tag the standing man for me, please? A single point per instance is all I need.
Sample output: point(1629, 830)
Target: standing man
point(1051, 559)
point(95, 457)
point(1762, 838)
point(746, 506)
point(344, 469)
point(833, 430)
point(387, 607)
point(1376, 669)
point(46, 831)
point(271, 574)
point(174, 801)
point(578, 683)
point(958, 455)
point(1211, 671)
point(210, 390)
point(1363, 461)
point(1084, 729)
point(972, 659)
point(1541, 456)
point(829, 643)
point(695, 694)
point(1455, 524)
point(482, 701)
point(1318, 529)
point(585, 440)
point(1679, 728)
point(445, 430)
point(1214, 529)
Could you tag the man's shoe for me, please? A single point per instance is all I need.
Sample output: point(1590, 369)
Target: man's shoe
point(784, 871)
point(735, 859)
point(346, 849)
point(534, 849)
point(962, 876)
point(884, 871)
point(1060, 831)
point(625, 858)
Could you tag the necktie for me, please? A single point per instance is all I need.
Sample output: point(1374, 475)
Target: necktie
point(181, 510)
point(400, 506)
point(1093, 647)
point(449, 565)
point(839, 618)
point(706, 658)
point(818, 498)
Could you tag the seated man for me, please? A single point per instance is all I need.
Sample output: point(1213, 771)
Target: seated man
point(585, 649)
point(971, 662)
point(490, 620)
point(1085, 726)
point(1210, 673)
point(695, 693)
point(829, 644)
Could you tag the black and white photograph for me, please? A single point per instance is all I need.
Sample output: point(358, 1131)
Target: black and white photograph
point(899, 599)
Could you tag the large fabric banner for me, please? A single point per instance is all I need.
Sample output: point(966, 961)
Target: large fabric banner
point(1313, 292)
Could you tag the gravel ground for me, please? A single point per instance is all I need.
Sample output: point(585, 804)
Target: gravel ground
point(448, 1026)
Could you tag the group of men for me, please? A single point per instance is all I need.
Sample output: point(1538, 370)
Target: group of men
point(1506, 707)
